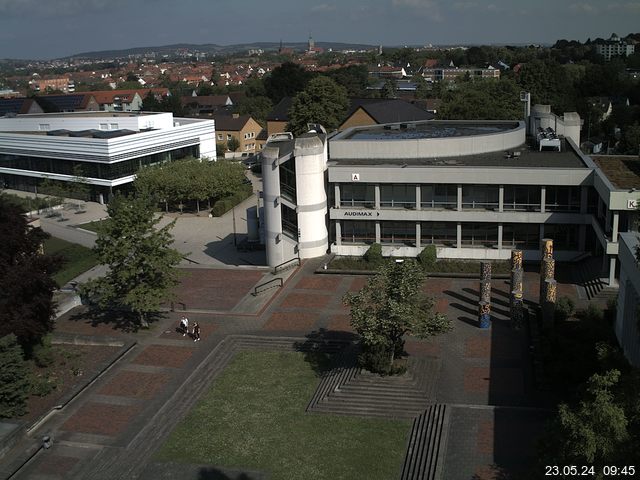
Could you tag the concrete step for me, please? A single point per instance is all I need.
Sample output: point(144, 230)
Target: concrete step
point(427, 443)
point(356, 391)
point(373, 401)
point(368, 411)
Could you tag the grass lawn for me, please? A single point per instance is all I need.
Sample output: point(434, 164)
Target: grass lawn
point(78, 259)
point(91, 226)
point(441, 266)
point(253, 418)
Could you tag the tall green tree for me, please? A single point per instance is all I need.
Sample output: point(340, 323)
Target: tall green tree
point(323, 101)
point(389, 89)
point(26, 286)
point(233, 144)
point(482, 100)
point(141, 262)
point(14, 380)
point(286, 81)
point(593, 432)
point(390, 306)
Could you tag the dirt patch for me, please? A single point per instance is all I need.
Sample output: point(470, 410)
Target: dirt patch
point(73, 365)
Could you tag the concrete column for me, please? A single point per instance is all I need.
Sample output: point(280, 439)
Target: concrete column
point(418, 197)
point(376, 196)
point(459, 198)
point(612, 271)
point(336, 193)
point(543, 198)
point(338, 225)
point(582, 237)
point(584, 196)
point(501, 198)
point(616, 223)
point(377, 232)
point(418, 234)
point(499, 236)
point(459, 235)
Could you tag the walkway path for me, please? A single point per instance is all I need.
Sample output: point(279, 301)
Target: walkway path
point(113, 429)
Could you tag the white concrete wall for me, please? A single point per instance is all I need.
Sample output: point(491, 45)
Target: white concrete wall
point(85, 121)
point(310, 158)
point(626, 326)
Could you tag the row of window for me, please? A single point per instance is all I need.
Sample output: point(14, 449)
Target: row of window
point(95, 170)
point(521, 235)
point(445, 196)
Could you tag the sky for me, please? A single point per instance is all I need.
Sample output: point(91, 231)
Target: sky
point(37, 29)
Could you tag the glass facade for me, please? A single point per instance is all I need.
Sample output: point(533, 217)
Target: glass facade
point(565, 237)
point(362, 195)
point(439, 233)
point(562, 199)
point(106, 171)
point(358, 232)
point(288, 180)
point(289, 222)
point(484, 197)
point(439, 196)
point(398, 233)
point(480, 235)
point(525, 236)
point(398, 196)
point(522, 197)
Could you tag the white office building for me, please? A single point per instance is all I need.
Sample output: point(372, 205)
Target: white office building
point(109, 147)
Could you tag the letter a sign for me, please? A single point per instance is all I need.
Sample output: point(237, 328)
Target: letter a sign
point(355, 177)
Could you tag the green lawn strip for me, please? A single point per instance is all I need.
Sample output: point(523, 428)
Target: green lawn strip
point(92, 226)
point(441, 266)
point(78, 259)
point(253, 417)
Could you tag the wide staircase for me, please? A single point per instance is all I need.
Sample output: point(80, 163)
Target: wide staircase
point(349, 390)
point(588, 274)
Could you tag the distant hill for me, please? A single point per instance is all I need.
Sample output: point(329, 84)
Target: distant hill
point(212, 48)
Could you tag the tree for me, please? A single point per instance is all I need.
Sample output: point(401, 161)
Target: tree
point(233, 144)
point(630, 143)
point(79, 185)
point(258, 107)
point(354, 78)
point(323, 101)
point(286, 80)
point(594, 431)
point(389, 306)
point(141, 262)
point(14, 380)
point(389, 89)
point(150, 103)
point(482, 100)
point(26, 287)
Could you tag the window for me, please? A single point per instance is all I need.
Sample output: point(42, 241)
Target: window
point(288, 179)
point(522, 197)
point(565, 237)
point(479, 234)
point(358, 232)
point(484, 197)
point(439, 196)
point(362, 195)
point(113, 126)
point(439, 233)
point(104, 126)
point(524, 236)
point(562, 199)
point(44, 127)
point(398, 232)
point(398, 195)
point(220, 136)
point(228, 137)
point(289, 222)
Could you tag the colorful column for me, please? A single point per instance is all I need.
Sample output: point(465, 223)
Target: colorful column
point(484, 312)
point(516, 306)
point(549, 305)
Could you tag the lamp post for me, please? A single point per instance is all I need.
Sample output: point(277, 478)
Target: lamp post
point(235, 241)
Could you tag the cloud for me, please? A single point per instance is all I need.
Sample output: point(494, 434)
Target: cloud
point(427, 8)
point(56, 8)
point(323, 8)
point(583, 8)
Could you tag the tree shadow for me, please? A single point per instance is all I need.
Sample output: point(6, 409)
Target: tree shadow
point(322, 347)
point(122, 320)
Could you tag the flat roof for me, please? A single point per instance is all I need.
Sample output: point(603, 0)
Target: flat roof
point(86, 114)
point(528, 157)
point(429, 129)
point(623, 171)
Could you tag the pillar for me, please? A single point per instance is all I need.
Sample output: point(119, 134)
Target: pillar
point(612, 271)
point(616, 224)
point(549, 304)
point(501, 198)
point(543, 198)
point(338, 224)
point(517, 309)
point(485, 291)
point(377, 232)
point(459, 198)
point(459, 235)
point(418, 197)
point(376, 196)
point(336, 193)
point(418, 234)
point(499, 236)
point(484, 315)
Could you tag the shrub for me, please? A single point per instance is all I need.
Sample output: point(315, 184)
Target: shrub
point(43, 385)
point(427, 257)
point(565, 307)
point(14, 382)
point(223, 205)
point(373, 256)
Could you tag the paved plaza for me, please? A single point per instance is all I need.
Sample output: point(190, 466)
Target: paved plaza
point(112, 429)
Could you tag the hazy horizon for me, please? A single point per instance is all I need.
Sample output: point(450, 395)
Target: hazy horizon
point(34, 30)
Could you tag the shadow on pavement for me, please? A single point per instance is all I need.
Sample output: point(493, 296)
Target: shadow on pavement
point(320, 347)
point(124, 321)
point(215, 474)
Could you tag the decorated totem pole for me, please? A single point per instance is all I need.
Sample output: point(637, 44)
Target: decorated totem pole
point(516, 305)
point(484, 311)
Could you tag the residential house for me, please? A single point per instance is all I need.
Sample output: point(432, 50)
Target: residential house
point(375, 111)
point(72, 102)
point(17, 106)
point(206, 104)
point(241, 127)
point(118, 100)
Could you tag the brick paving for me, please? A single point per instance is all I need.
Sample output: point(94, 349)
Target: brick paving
point(56, 465)
point(135, 384)
point(478, 368)
point(101, 419)
point(164, 356)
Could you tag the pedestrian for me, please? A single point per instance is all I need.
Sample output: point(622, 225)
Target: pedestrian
point(196, 331)
point(185, 326)
point(181, 325)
